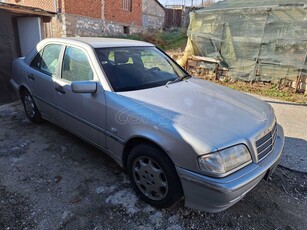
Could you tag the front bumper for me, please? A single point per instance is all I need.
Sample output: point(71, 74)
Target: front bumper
point(217, 194)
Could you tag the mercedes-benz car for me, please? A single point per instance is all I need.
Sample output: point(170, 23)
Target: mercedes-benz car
point(177, 136)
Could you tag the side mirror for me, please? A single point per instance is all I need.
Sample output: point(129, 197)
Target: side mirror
point(84, 87)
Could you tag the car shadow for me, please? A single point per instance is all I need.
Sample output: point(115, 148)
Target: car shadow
point(294, 156)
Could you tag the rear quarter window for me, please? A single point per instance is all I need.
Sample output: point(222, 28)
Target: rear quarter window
point(47, 59)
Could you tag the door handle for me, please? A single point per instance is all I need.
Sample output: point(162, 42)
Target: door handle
point(60, 89)
point(31, 77)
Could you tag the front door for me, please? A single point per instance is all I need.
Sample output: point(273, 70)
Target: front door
point(81, 113)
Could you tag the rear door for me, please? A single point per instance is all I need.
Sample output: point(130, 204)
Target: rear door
point(81, 113)
point(41, 72)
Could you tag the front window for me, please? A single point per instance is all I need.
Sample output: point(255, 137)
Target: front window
point(76, 66)
point(135, 68)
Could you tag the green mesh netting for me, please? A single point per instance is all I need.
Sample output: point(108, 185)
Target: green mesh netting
point(256, 40)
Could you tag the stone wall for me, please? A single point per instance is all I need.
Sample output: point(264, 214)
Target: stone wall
point(57, 26)
point(153, 15)
point(69, 25)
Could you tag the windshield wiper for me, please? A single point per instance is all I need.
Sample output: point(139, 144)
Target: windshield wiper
point(178, 79)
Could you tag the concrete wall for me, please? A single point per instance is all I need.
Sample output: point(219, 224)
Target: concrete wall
point(7, 54)
point(57, 25)
point(152, 15)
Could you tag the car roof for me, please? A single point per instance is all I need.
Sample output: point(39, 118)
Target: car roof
point(86, 42)
point(98, 42)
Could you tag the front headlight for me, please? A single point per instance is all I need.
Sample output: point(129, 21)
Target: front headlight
point(224, 161)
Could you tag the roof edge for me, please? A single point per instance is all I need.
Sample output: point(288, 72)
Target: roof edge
point(26, 9)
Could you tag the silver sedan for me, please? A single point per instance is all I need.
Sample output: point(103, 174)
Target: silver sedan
point(175, 135)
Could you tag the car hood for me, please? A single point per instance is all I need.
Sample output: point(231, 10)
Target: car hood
point(218, 115)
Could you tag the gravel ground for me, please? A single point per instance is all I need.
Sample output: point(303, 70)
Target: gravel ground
point(50, 179)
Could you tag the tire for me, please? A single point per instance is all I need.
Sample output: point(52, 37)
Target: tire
point(30, 107)
point(153, 176)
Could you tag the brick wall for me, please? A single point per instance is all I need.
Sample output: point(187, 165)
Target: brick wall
point(113, 11)
point(89, 8)
point(47, 5)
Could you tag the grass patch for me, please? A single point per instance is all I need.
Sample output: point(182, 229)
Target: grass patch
point(268, 90)
point(165, 40)
point(174, 39)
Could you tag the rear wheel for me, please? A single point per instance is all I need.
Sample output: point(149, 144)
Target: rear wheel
point(30, 107)
point(154, 176)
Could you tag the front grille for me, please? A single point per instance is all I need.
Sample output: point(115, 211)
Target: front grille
point(266, 143)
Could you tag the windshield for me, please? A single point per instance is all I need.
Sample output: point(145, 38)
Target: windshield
point(134, 68)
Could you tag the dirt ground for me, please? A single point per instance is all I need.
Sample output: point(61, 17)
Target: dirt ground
point(50, 179)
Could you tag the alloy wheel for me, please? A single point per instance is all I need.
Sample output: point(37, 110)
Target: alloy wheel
point(150, 178)
point(29, 105)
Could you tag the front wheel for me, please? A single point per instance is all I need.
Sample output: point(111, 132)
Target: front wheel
point(154, 176)
point(30, 107)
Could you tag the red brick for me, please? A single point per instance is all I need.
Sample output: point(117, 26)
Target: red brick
point(47, 5)
point(88, 8)
point(113, 9)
